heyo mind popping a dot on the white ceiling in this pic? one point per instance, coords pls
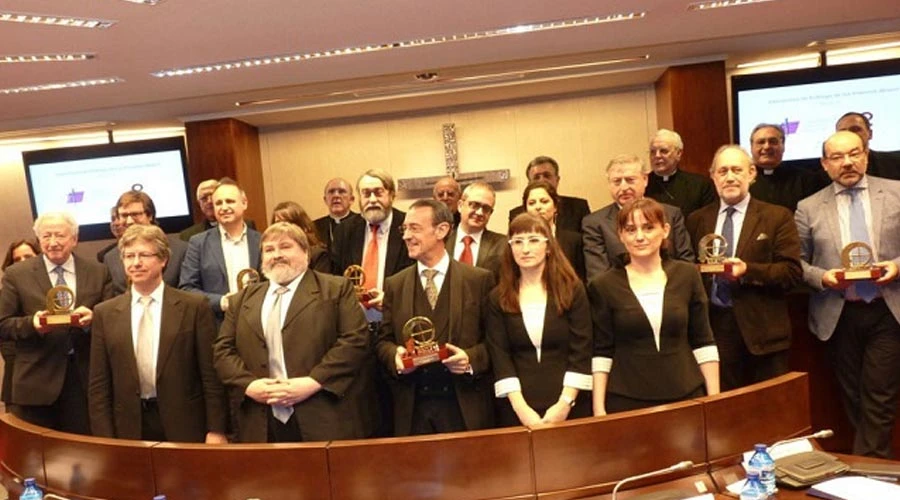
(179, 33)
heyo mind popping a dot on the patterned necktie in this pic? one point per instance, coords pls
(144, 350)
(62, 298)
(276, 352)
(370, 264)
(866, 289)
(466, 256)
(431, 291)
(721, 288)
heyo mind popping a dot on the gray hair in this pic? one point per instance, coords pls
(627, 159)
(66, 217)
(669, 136)
(726, 147)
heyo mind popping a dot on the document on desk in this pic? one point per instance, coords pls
(855, 488)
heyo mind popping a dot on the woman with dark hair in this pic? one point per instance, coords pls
(540, 198)
(288, 211)
(19, 250)
(652, 339)
(539, 330)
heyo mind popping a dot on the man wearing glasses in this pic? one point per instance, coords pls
(472, 242)
(775, 183)
(136, 207)
(857, 319)
(672, 185)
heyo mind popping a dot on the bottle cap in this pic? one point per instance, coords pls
(760, 447)
(29, 481)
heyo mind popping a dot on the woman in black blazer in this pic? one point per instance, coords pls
(652, 339)
(288, 211)
(538, 330)
(540, 198)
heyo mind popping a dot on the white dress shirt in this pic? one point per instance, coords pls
(236, 252)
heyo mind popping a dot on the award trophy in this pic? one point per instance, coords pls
(357, 276)
(246, 278)
(421, 348)
(857, 259)
(60, 302)
(711, 254)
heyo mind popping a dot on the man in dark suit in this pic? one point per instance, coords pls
(216, 256)
(747, 311)
(152, 374)
(453, 394)
(295, 347)
(472, 242)
(880, 163)
(136, 207)
(51, 367)
(571, 210)
(672, 185)
(116, 228)
(857, 319)
(338, 198)
(447, 191)
(204, 201)
(627, 179)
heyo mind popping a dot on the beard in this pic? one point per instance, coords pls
(282, 272)
(374, 215)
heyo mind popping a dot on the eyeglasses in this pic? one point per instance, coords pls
(130, 257)
(519, 243)
(474, 206)
(854, 156)
(133, 215)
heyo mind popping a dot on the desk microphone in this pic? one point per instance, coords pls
(824, 433)
(687, 464)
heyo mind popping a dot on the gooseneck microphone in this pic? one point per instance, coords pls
(822, 434)
(687, 464)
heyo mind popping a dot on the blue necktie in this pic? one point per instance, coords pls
(866, 290)
(721, 288)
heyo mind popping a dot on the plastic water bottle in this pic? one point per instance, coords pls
(753, 489)
(761, 461)
(31, 491)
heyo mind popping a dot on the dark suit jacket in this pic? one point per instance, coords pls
(570, 212)
(190, 396)
(325, 227)
(566, 344)
(573, 248)
(685, 190)
(40, 366)
(490, 253)
(770, 246)
(602, 248)
(469, 288)
(171, 275)
(884, 164)
(350, 237)
(205, 225)
(623, 333)
(325, 337)
(320, 259)
(203, 269)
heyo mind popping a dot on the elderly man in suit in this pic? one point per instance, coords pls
(454, 394)
(748, 312)
(136, 207)
(857, 319)
(472, 242)
(204, 201)
(51, 368)
(215, 257)
(571, 210)
(152, 374)
(627, 177)
(448, 191)
(339, 199)
(295, 347)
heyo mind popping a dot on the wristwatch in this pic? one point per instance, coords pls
(567, 400)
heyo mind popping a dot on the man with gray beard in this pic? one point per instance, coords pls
(305, 381)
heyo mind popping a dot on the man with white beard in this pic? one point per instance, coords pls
(306, 381)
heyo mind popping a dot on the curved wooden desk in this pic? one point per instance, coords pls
(576, 459)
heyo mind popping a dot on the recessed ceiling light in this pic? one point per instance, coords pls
(72, 22)
(722, 3)
(434, 40)
(61, 85)
(33, 58)
(145, 2)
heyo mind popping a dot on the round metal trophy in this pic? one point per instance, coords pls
(357, 276)
(421, 348)
(711, 254)
(246, 278)
(60, 302)
(858, 261)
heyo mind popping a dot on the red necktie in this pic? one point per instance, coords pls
(370, 261)
(466, 256)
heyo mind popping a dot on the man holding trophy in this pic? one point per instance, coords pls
(432, 335)
(749, 257)
(850, 234)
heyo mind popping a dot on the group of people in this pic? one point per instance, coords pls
(571, 313)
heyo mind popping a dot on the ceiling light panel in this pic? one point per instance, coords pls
(38, 58)
(723, 3)
(61, 85)
(435, 40)
(51, 20)
(145, 2)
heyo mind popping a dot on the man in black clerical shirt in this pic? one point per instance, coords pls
(775, 183)
(881, 163)
(338, 198)
(670, 184)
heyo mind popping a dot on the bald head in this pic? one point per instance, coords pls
(447, 191)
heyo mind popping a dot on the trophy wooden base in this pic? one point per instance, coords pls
(717, 268)
(871, 273)
(424, 356)
(69, 319)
